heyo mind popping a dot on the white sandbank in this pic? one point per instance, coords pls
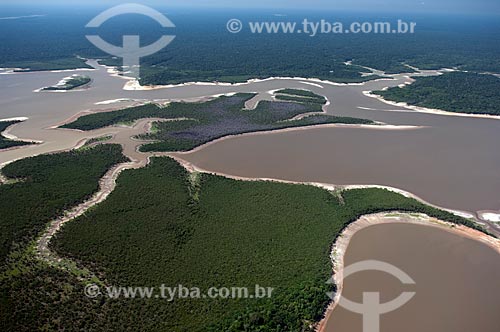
(133, 85)
(313, 84)
(429, 110)
(490, 216)
(21, 118)
(114, 101)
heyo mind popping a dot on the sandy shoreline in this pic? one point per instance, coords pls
(429, 110)
(327, 186)
(489, 215)
(6, 134)
(284, 130)
(277, 131)
(487, 224)
(133, 85)
(20, 118)
(342, 242)
(106, 186)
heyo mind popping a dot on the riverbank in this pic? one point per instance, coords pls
(7, 140)
(374, 126)
(341, 244)
(133, 84)
(330, 187)
(420, 109)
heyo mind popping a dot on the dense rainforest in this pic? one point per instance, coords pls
(204, 50)
(162, 225)
(44, 187)
(207, 230)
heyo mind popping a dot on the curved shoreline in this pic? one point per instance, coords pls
(374, 126)
(477, 218)
(133, 85)
(107, 184)
(327, 186)
(426, 110)
(343, 240)
(6, 134)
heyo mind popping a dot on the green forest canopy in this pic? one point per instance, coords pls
(453, 92)
(49, 184)
(204, 51)
(210, 230)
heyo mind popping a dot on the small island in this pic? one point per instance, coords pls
(69, 83)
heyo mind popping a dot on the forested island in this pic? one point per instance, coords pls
(199, 123)
(457, 92)
(69, 83)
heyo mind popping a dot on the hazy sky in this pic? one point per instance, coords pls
(467, 6)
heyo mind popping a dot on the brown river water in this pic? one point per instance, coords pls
(456, 280)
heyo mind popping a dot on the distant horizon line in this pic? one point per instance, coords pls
(270, 10)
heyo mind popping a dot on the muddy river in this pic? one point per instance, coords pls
(456, 280)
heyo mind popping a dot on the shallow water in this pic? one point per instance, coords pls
(456, 280)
